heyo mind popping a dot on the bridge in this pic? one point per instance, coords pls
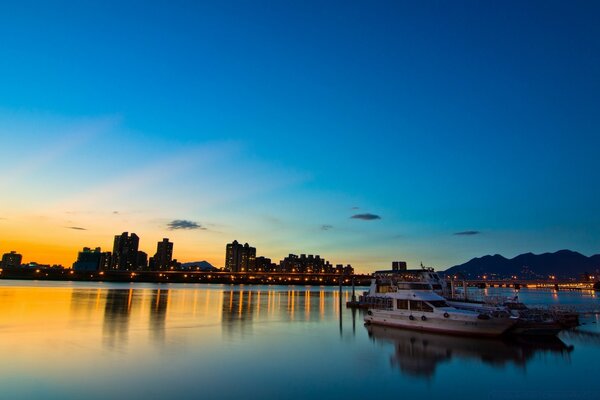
(268, 278)
(556, 284)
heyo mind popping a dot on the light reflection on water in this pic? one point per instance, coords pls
(98, 340)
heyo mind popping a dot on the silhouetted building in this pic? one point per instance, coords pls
(88, 260)
(305, 264)
(347, 270)
(105, 260)
(142, 260)
(264, 264)
(240, 258)
(125, 252)
(175, 265)
(163, 257)
(290, 264)
(12, 259)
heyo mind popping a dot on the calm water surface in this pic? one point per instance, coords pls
(105, 341)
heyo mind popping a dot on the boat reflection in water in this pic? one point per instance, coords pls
(418, 354)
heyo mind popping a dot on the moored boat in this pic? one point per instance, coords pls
(393, 301)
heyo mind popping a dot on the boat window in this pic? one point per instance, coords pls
(384, 289)
(420, 286)
(438, 303)
(381, 303)
(402, 304)
(436, 286)
(413, 286)
(418, 305)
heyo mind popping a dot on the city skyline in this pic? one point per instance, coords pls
(369, 133)
(125, 256)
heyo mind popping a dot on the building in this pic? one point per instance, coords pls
(105, 260)
(12, 259)
(240, 258)
(264, 264)
(125, 252)
(163, 257)
(89, 260)
(290, 264)
(341, 270)
(142, 260)
(305, 264)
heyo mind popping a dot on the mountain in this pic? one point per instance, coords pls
(562, 264)
(203, 265)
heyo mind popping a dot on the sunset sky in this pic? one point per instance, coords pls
(365, 132)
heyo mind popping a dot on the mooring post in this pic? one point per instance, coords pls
(340, 296)
(353, 294)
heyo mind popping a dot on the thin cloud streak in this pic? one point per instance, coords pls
(77, 228)
(366, 217)
(467, 233)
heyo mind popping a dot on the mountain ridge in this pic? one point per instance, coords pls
(561, 264)
(203, 265)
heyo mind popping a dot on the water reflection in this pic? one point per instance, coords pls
(240, 307)
(419, 354)
(237, 311)
(159, 301)
(117, 311)
(135, 339)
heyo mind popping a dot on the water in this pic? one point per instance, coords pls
(62, 340)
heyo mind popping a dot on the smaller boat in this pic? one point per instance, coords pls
(532, 321)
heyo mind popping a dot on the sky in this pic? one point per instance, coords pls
(365, 132)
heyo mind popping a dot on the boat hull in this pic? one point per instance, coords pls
(437, 323)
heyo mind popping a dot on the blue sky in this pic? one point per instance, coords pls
(275, 122)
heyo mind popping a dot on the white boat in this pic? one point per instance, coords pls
(394, 301)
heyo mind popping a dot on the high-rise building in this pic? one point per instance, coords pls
(125, 252)
(142, 260)
(163, 257)
(240, 258)
(88, 260)
(12, 259)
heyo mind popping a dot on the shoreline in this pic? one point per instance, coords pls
(183, 277)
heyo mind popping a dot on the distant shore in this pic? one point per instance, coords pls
(51, 274)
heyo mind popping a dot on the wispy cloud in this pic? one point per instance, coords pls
(356, 208)
(467, 233)
(77, 228)
(65, 137)
(184, 224)
(326, 227)
(366, 217)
